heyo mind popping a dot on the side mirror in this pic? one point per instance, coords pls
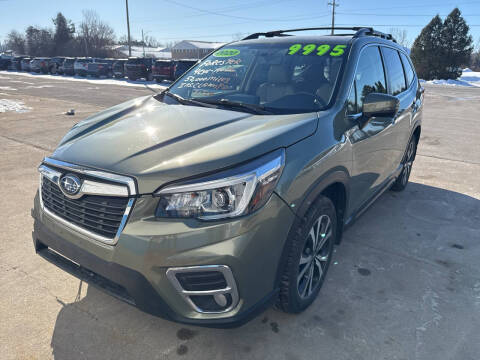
(376, 104)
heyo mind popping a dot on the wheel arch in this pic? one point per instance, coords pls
(334, 185)
(417, 130)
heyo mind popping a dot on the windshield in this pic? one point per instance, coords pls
(283, 78)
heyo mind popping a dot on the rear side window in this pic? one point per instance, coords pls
(369, 78)
(395, 73)
(408, 69)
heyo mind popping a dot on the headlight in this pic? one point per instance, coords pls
(228, 194)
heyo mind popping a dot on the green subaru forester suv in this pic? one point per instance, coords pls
(228, 191)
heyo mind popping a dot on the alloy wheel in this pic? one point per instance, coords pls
(314, 257)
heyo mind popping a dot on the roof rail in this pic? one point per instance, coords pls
(359, 31)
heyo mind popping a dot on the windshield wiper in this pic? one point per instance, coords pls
(256, 109)
(184, 101)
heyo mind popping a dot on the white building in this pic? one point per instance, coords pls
(137, 51)
(192, 49)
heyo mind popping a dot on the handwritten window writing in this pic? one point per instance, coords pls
(215, 74)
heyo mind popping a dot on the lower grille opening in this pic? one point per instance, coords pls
(84, 274)
(201, 280)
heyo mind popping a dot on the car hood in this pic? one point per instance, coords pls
(158, 143)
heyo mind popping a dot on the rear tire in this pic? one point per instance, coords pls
(309, 250)
(402, 181)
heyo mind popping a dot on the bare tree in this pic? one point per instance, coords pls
(16, 42)
(39, 41)
(401, 36)
(95, 35)
(150, 41)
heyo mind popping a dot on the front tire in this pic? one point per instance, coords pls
(402, 181)
(309, 253)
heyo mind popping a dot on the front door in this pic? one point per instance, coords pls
(373, 142)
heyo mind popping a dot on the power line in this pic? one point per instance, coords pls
(292, 19)
(249, 5)
(409, 15)
(420, 6)
(214, 12)
(393, 25)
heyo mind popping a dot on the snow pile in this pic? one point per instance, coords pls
(12, 105)
(468, 78)
(123, 82)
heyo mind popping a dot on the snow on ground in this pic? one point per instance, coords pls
(13, 105)
(99, 81)
(468, 78)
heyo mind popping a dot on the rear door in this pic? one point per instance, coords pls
(372, 142)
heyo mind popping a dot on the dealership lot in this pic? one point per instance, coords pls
(405, 283)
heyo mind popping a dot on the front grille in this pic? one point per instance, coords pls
(101, 215)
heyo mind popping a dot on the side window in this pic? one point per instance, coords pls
(408, 69)
(395, 73)
(352, 101)
(369, 78)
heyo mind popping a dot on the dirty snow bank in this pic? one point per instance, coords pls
(13, 105)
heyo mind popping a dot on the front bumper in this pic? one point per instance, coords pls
(134, 270)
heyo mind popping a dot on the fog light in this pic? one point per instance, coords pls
(207, 288)
(220, 299)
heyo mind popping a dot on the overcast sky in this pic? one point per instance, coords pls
(220, 20)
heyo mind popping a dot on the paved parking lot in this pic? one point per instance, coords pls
(405, 283)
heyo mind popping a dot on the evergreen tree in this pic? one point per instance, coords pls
(64, 30)
(442, 48)
(457, 45)
(427, 50)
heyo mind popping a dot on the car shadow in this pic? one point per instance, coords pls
(409, 231)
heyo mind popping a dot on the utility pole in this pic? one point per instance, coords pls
(128, 27)
(334, 5)
(143, 44)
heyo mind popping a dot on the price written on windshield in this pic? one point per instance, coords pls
(320, 50)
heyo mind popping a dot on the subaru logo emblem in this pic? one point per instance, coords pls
(70, 185)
